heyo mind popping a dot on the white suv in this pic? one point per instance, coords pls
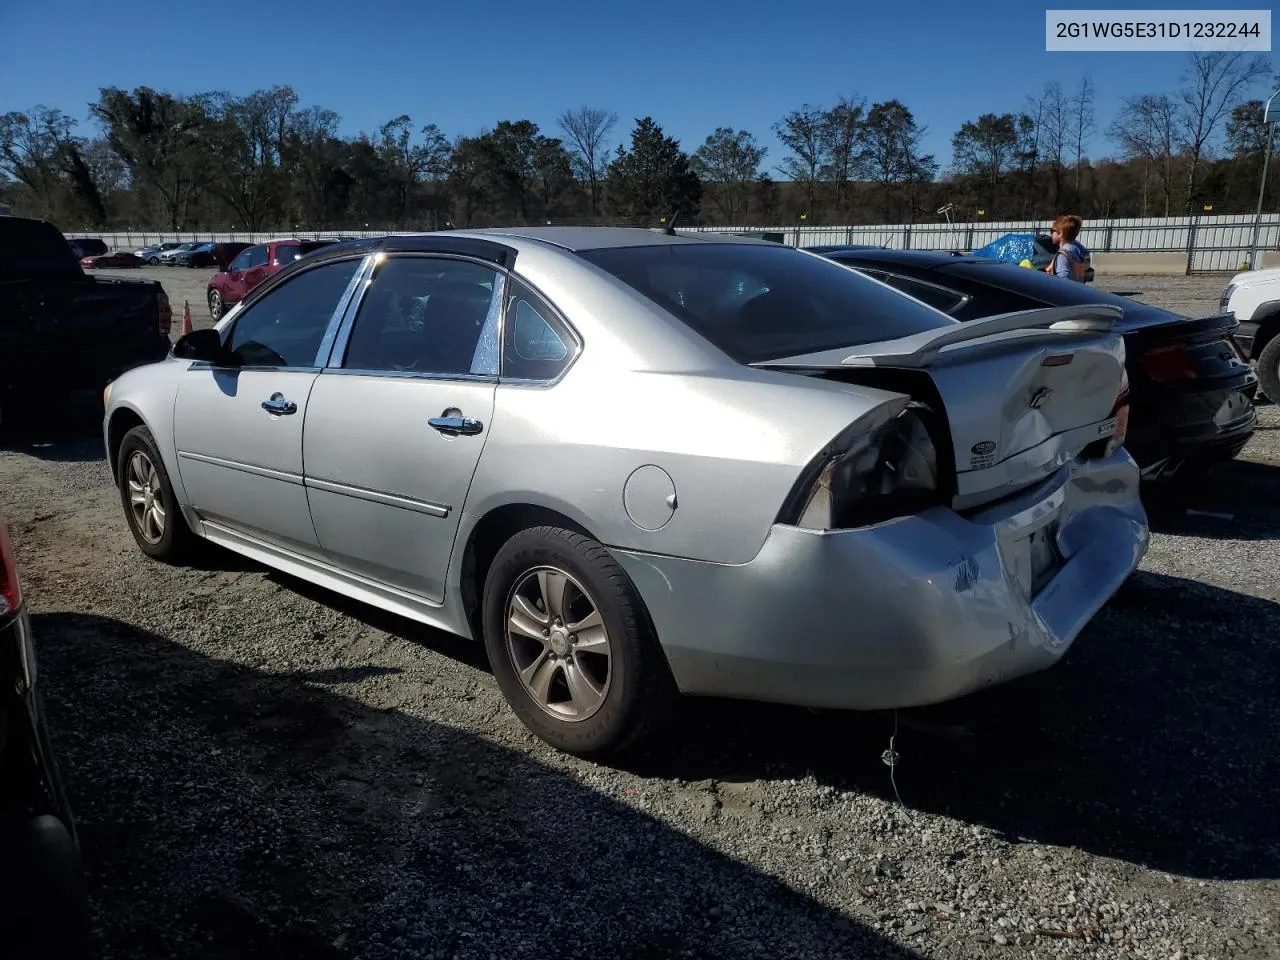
(1254, 298)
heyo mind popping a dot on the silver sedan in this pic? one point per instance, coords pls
(637, 464)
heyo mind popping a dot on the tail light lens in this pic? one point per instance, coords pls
(1168, 364)
(877, 475)
(10, 587)
(1120, 410)
(166, 311)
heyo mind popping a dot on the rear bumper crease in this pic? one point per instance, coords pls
(910, 612)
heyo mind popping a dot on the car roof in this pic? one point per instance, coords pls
(599, 238)
(925, 259)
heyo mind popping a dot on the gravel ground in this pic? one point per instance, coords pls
(263, 769)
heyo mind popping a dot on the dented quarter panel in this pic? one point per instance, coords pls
(907, 613)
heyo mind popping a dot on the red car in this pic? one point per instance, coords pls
(121, 258)
(252, 266)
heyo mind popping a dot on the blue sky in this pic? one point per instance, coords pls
(692, 65)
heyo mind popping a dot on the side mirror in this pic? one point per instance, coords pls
(204, 346)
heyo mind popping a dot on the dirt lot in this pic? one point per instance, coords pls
(265, 770)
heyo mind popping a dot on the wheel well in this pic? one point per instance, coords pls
(122, 421)
(494, 529)
(1268, 329)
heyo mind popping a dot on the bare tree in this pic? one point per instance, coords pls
(803, 132)
(729, 161)
(1082, 127)
(1054, 133)
(844, 133)
(1146, 129)
(1214, 83)
(588, 129)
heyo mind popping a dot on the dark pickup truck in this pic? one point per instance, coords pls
(62, 330)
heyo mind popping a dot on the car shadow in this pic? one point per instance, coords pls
(68, 431)
(1153, 741)
(228, 812)
(1236, 500)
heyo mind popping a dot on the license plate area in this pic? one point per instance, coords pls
(1035, 558)
(1233, 408)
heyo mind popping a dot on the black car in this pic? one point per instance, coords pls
(1190, 391)
(43, 910)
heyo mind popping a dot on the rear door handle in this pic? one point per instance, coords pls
(456, 425)
(279, 406)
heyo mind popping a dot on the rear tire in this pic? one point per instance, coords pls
(595, 679)
(217, 306)
(1269, 369)
(144, 485)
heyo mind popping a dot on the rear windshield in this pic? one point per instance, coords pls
(764, 302)
(1035, 284)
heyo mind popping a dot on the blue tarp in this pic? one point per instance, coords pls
(1013, 248)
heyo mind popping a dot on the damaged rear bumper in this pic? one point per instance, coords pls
(910, 612)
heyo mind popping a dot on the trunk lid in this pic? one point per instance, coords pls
(1186, 349)
(1023, 392)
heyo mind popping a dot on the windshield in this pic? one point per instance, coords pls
(764, 302)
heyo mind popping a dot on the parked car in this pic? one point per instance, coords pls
(201, 256)
(87, 247)
(1253, 297)
(224, 253)
(120, 258)
(43, 907)
(63, 329)
(637, 463)
(1190, 390)
(151, 253)
(251, 267)
(169, 258)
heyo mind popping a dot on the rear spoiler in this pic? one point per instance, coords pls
(920, 349)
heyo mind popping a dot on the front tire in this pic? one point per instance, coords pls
(1269, 369)
(150, 507)
(570, 644)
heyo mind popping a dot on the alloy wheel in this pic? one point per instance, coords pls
(145, 498)
(558, 644)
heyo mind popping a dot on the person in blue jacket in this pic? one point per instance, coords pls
(1072, 258)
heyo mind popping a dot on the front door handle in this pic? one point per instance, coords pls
(279, 406)
(451, 426)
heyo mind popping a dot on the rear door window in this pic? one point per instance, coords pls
(431, 316)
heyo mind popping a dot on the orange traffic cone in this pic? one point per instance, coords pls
(186, 317)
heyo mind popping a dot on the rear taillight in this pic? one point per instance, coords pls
(1167, 364)
(1120, 411)
(869, 476)
(166, 311)
(10, 587)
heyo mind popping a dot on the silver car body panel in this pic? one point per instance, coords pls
(807, 622)
(678, 459)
